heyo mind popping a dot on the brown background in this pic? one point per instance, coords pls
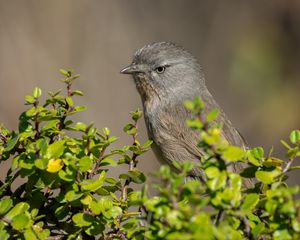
(250, 52)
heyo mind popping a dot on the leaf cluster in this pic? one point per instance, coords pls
(67, 191)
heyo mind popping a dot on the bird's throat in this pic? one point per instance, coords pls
(146, 90)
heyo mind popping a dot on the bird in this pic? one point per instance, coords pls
(166, 75)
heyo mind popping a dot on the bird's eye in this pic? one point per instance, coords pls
(160, 69)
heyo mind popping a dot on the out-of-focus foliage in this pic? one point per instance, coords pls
(68, 193)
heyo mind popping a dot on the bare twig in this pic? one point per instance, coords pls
(288, 165)
(218, 217)
(3, 137)
(97, 165)
(247, 227)
(132, 165)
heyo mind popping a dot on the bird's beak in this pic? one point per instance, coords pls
(131, 69)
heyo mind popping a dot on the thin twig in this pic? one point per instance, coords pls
(36, 122)
(218, 217)
(3, 137)
(247, 227)
(132, 165)
(288, 165)
(97, 165)
(69, 91)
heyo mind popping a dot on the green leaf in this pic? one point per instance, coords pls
(21, 207)
(5, 205)
(235, 180)
(72, 195)
(55, 149)
(26, 163)
(147, 144)
(85, 164)
(95, 229)
(258, 229)
(83, 219)
(136, 115)
(267, 177)
(93, 185)
(285, 144)
(137, 176)
(86, 200)
(251, 157)
(51, 94)
(69, 100)
(77, 92)
(91, 132)
(42, 144)
(111, 180)
(106, 131)
(30, 234)
(4, 235)
(295, 136)
(108, 162)
(68, 174)
(257, 152)
(217, 182)
(194, 123)
(29, 99)
(249, 172)
(102, 205)
(130, 129)
(61, 212)
(212, 115)
(273, 162)
(80, 126)
(112, 139)
(11, 143)
(66, 73)
(51, 124)
(233, 153)
(37, 92)
(113, 212)
(250, 202)
(282, 235)
(212, 172)
(20, 221)
(187, 166)
(79, 108)
(41, 163)
(189, 105)
(96, 207)
(31, 112)
(196, 106)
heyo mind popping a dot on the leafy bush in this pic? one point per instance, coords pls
(67, 192)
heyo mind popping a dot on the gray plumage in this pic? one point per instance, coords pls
(166, 75)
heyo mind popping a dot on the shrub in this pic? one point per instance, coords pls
(68, 193)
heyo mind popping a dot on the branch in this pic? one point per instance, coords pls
(132, 165)
(288, 165)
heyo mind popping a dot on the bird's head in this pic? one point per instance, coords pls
(166, 71)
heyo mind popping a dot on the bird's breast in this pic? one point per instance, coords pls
(156, 121)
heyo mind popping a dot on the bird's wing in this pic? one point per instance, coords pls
(231, 134)
(175, 140)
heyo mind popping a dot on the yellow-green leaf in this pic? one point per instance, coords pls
(250, 202)
(92, 184)
(233, 153)
(56, 149)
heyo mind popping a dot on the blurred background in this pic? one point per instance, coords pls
(249, 50)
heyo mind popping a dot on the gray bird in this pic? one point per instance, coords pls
(166, 75)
